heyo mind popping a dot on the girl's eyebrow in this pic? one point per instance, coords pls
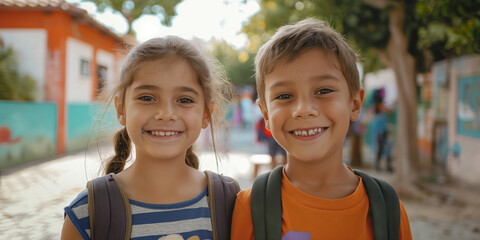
(188, 89)
(146, 87)
(179, 89)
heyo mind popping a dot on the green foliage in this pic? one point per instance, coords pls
(363, 25)
(133, 9)
(237, 63)
(13, 85)
(441, 28)
(448, 28)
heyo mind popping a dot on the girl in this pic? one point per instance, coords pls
(166, 95)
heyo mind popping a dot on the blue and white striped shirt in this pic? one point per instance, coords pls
(189, 219)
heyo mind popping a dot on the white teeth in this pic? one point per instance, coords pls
(307, 133)
(162, 134)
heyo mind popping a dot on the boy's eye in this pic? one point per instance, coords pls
(146, 98)
(283, 96)
(324, 91)
(185, 100)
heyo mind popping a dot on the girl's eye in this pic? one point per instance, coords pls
(324, 91)
(185, 100)
(146, 99)
(284, 96)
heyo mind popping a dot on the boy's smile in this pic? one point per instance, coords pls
(309, 133)
(308, 106)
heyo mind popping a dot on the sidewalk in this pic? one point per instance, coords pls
(32, 197)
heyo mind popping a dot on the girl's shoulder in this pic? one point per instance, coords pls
(77, 211)
(80, 201)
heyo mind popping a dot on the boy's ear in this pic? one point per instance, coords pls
(264, 113)
(120, 114)
(357, 102)
(206, 120)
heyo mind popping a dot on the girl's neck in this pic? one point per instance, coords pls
(162, 181)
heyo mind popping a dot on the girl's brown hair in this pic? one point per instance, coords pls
(291, 40)
(210, 77)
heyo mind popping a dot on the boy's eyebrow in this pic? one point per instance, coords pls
(154, 87)
(325, 76)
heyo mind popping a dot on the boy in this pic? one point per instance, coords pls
(309, 91)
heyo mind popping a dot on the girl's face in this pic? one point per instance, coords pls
(164, 109)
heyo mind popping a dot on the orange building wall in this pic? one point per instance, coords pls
(60, 25)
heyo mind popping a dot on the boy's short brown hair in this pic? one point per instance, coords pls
(291, 40)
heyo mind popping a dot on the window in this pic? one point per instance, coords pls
(101, 77)
(84, 68)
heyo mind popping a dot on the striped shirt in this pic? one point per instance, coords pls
(189, 219)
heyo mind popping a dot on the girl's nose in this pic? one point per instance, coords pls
(305, 108)
(165, 113)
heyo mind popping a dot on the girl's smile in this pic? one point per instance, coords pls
(164, 133)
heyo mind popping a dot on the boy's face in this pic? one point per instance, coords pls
(308, 106)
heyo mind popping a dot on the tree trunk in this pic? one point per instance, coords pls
(406, 160)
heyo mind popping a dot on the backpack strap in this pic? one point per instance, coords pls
(222, 193)
(109, 209)
(267, 219)
(384, 207)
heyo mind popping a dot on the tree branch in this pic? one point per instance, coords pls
(380, 4)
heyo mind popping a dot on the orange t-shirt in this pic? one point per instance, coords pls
(306, 217)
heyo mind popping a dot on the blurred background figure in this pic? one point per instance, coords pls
(379, 126)
(247, 108)
(275, 151)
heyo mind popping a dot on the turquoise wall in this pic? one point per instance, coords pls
(28, 131)
(89, 124)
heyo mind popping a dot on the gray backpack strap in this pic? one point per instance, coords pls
(384, 207)
(267, 219)
(222, 193)
(393, 209)
(109, 209)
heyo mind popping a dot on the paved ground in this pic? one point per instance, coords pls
(32, 197)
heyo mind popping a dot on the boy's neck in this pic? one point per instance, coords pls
(330, 180)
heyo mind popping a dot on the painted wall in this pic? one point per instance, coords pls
(28, 131)
(456, 111)
(31, 48)
(61, 25)
(89, 124)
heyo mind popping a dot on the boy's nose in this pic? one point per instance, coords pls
(165, 113)
(305, 108)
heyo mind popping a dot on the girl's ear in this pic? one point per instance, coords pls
(264, 114)
(208, 111)
(120, 114)
(357, 105)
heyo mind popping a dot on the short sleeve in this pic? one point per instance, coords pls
(405, 231)
(242, 228)
(77, 211)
